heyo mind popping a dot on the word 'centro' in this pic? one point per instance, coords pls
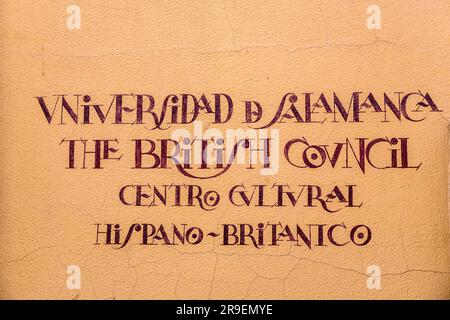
(143, 109)
(277, 195)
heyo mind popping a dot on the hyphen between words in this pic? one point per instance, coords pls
(191, 154)
(243, 234)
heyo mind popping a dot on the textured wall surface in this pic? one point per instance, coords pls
(251, 50)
